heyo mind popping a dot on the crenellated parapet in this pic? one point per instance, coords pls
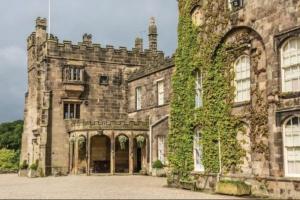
(89, 51)
(127, 124)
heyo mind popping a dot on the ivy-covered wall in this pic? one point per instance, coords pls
(199, 49)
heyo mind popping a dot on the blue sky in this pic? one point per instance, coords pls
(114, 22)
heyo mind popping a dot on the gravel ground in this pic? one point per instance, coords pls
(94, 187)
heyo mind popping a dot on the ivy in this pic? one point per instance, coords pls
(198, 50)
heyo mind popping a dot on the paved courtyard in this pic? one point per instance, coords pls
(94, 187)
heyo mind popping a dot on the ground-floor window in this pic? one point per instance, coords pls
(198, 166)
(292, 147)
(161, 148)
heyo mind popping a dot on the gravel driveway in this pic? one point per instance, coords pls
(94, 187)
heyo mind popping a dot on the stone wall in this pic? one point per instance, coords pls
(103, 106)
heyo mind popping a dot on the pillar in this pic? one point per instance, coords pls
(131, 154)
(76, 157)
(112, 154)
(88, 154)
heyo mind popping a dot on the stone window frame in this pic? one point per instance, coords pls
(81, 74)
(161, 157)
(138, 98)
(69, 102)
(233, 9)
(235, 79)
(284, 145)
(101, 82)
(283, 68)
(279, 40)
(159, 93)
(198, 89)
(196, 146)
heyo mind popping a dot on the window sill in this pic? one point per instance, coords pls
(288, 95)
(74, 82)
(241, 104)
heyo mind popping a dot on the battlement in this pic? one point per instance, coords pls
(86, 50)
(128, 124)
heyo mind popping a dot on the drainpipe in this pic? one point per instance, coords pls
(151, 128)
(220, 158)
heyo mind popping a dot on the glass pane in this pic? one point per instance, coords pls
(72, 111)
(66, 111)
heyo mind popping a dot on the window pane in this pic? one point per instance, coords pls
(138, 98)
(72, 111)
(292, 145)
(242, 79)
(66, 111)
(77, 111)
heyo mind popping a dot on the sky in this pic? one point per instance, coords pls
(111, 22)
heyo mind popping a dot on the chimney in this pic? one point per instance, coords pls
(152, 35)
(87, 39)
(139, 44)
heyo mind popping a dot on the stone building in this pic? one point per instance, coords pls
(92, 109)
(267, 81)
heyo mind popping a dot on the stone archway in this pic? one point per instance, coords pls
(139, 154)
(100, 154)
(122, 154)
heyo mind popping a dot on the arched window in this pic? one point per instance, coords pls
(292, 147)
(198, 89)
(198, 16)
(290, 65)
(242, 79)
(198, 166)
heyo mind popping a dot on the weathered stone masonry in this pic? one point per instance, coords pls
(81, 95)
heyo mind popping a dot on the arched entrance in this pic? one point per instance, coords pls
(122, 154)
(139, 152)
(100, 154)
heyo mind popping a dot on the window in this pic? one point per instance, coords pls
(198, 88)
(160, 93)
(104, 80)
(292, 147)
(73, 74)
(71, 111)
(161, 148)
(198, 16)
(242, 79)
(138, 98)
(198, 166)
(290, 64)
(235, 4)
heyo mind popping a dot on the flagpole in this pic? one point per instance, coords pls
(49, 17)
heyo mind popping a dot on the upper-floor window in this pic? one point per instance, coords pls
(292, 147)
(160, 93)
(104, 80)
(138, 98)
(71, 111)
(198, 89)
(198, 16)
(242, 79)
(290, 65)
(73, 73)
(235, 4)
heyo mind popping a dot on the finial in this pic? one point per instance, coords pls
(152, 21)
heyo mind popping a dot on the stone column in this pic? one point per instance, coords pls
(131, 154)
(112, 153)
(76, 157)
(70, 157)
(88, 154)
(145, 152)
